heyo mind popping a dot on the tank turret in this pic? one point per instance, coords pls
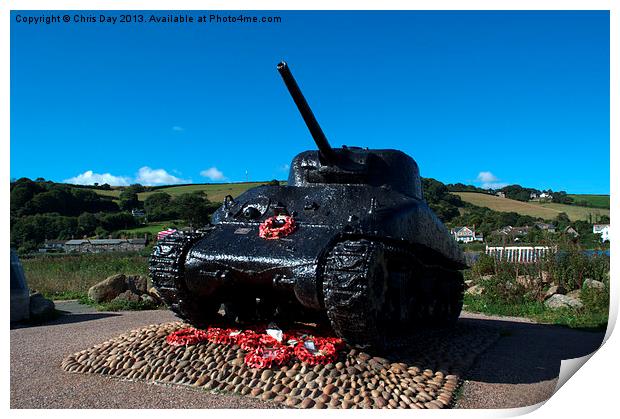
(349, 164)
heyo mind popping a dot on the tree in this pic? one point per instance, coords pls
(193, 208)
(561, 198)
(22, 191)
(117, 221)
(159, 207)
(87, 223)
(128, 200)
(562, 221)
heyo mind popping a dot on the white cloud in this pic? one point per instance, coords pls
(489, 181)
(90, 178)
(151, 177)
(493, 185)
(486, 177)
(177, 128)
(213, 173)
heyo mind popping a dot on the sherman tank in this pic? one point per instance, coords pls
(349, 239)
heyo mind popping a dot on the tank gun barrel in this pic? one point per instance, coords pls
(325, 150)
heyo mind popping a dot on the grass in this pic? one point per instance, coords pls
(576, 212)
(215, 192)
(152, 228)
(70, 276)
(595, 320)
(595, 201)
(118, 305)
(547, 211)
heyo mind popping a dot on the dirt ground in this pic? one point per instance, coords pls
(520, 369)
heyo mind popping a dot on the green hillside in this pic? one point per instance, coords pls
(547, 211)
(595, 201)
(215, 192)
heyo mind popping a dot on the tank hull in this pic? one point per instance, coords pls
(232, 261)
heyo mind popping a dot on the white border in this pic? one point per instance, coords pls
(591, 392)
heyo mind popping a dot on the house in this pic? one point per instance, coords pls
(513, 231)
(466, 234)
(570, 230)
(104, 245)
(501, 194)
(545, 195)
(511, 234)
(52, 246)
(533, 195)
(545, 227)
(603, 230)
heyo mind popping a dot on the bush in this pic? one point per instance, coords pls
(485, 265)
(518, 290)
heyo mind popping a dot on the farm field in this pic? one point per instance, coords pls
(152, 228)
(215, 192)
(576, 212)
(597, 201)
(546, 211)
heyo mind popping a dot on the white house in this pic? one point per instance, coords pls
(545, 195)
(465, 234)
(501, 194)
(603, 230)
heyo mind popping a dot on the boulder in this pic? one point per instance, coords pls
(562, 301)
(475, 290)
(486, 277)
(128, 296)
(545, 277)
(20, 295)
(155, 295)
(555, 289)
(136, 283)
(108, 289)
(525, 281)
(590, 283)
(40, 307)
(148, 300)
(574, 294)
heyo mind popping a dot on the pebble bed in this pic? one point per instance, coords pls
(421, 372)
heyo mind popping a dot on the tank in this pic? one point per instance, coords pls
(349, 240)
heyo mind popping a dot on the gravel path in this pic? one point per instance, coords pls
(519, 370)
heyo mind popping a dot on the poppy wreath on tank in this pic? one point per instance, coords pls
(222, 336)
(189, 336)
(317, 351)
(269, 356)
(276, 227)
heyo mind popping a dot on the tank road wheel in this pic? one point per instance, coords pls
(167, 273)
(354, 281)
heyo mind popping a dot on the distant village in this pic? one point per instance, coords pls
(512, 248)
(510, 234)
(93, 245)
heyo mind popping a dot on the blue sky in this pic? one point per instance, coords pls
(485, 98)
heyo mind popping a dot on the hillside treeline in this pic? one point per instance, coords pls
(518, 193)
(43, 210)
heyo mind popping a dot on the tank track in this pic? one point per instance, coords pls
(361, 307)
(166, 269)
(354, 292)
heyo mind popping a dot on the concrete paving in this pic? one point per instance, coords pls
(521, 369)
